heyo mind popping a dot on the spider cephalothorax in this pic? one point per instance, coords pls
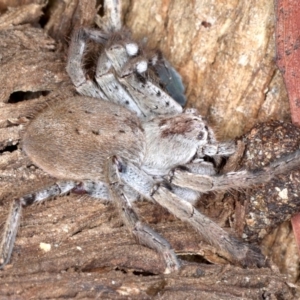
(126, 138)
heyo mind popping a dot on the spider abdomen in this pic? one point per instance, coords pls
(73, 137)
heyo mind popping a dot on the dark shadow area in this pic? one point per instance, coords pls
(24, 96)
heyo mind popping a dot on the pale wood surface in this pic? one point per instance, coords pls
(225, 53)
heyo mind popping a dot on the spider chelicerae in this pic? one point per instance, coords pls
(127, 138)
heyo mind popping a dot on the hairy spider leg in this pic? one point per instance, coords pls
(13, 220)
(236, 180)
(143, 233)
(162, 193)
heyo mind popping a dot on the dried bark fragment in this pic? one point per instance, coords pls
(29, 13)
(287, 48)
(86, 239)
(280, 246)
(64, 16)
(260, 212)
(275, 202)
(28, 62)
(5, 4)
(87, 245)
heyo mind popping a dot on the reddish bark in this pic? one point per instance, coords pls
(288, 61)
(288, 51)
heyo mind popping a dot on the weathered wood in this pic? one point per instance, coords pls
(91, 255)
(225, 52)
(76, 247)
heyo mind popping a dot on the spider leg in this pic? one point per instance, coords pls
(100, 190)
(123, 56)
(171, 79)
(95, 189)
(118, 73)
(113, 13)
(122, 70)
(168, 76)
(143, 233)
(151, 98)
(235, 180)
(13, 220)
(217, 149)
(228, 246)
(198, 166)
(112, 88)
(10, 232)
(187, 194)
(161, 193)
(74, 67)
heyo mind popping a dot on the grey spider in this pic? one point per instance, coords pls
(126, 138)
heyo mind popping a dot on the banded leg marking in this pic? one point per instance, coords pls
(12, 223)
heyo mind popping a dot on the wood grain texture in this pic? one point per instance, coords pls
(288, 51)
(225, 53)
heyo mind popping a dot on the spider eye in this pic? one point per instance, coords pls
(141, 66)
(132, 49)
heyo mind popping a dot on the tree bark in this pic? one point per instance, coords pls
(76, 247)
